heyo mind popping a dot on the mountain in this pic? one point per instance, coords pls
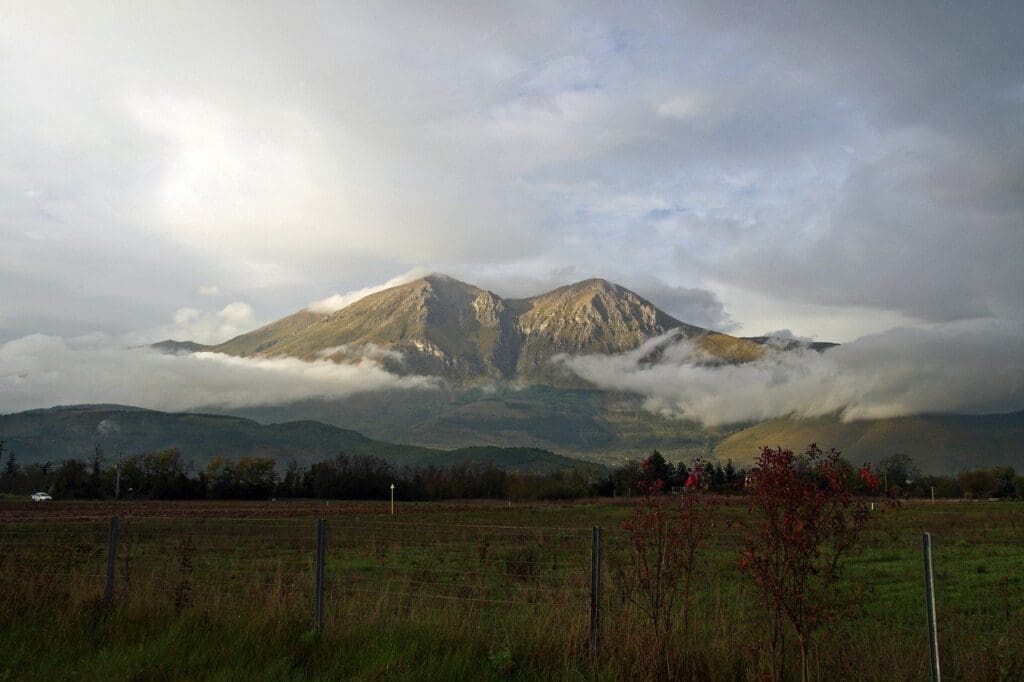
(783, 343)
(441, 326)
(172, 347)
(503, 388)
(60, 433)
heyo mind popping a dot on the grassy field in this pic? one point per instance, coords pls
(474, 590)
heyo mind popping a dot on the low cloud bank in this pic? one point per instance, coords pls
(973, 367)
(42, 371)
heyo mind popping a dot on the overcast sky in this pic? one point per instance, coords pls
(832, 168)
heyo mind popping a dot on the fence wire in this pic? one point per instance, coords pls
(481, 578)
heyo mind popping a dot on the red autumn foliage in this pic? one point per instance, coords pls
(805, 519)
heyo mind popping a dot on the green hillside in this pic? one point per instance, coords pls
(62, 433)
(937, 443)
(584, 423)
(608, 427)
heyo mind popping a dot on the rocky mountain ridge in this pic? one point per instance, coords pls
(440, 326)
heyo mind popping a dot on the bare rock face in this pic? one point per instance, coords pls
(445, 327)
(594, 316)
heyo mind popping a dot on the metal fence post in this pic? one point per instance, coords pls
(595, 590)
(111, 560)
(318, 606)
(929, 591)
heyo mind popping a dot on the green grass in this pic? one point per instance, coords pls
(475, 591)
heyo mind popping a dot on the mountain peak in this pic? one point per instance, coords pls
(441, 278)
(441, 281)
(439, 325)
(596, 283)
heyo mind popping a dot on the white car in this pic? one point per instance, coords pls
(41, 497)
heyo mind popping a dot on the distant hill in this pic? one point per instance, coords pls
(783, 343)
(608, 427)
(937, 443)
(580, 422)
(173, 347)
(444, 327)
(61, 433)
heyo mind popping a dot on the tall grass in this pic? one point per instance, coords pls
(481, 594)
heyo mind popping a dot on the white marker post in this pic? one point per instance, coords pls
(392, 499)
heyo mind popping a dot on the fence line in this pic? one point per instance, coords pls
(416, 565)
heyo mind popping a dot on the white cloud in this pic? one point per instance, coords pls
(208, 290)
(195, 325)
(689, 106)
(42, 371)
(714, 144)
(366, 351)
(336, 302)
(965, 367)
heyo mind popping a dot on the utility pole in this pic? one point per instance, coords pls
(392, 499)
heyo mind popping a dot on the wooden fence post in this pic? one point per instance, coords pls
(318, 606)
(595, 591)
(111, 560)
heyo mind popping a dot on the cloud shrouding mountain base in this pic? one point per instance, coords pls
(968, 367)
(972, 367)
(42, 371)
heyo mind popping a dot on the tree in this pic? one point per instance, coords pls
(72, 479)
(730, 475)
(624, 478)
(96, 472)
(978, 483)
(665, 536)
(805, 520)
(164, 476)
(655, 468)
(291, 484)
(10, 468)
(897, 472)
(256, 477)
(1005, 476)
(220, 478)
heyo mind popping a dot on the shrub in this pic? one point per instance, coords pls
(665, 536)
(806, 519)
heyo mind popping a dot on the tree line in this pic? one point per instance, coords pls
(167, 475)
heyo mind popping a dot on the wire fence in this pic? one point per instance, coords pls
(490, 579)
